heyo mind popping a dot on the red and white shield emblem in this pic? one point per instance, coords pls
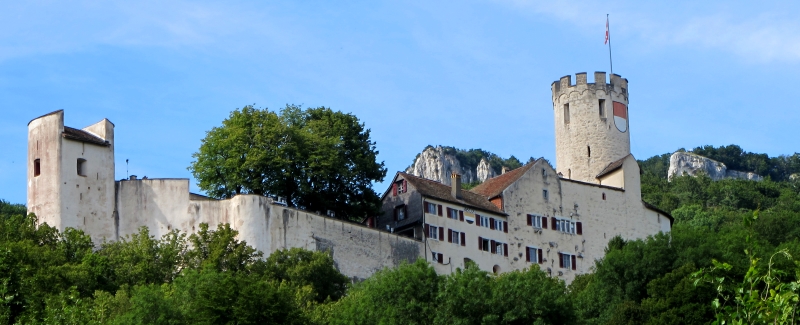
(621, 116)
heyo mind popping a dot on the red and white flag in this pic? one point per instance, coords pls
(606, 42)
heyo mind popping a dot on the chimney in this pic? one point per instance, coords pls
(455, 182)
(503, 170)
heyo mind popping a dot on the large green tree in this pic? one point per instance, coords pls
(316, 158)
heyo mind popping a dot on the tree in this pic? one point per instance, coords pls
(317, 158)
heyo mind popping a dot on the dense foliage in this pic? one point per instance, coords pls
(728, 260)
(315, 158)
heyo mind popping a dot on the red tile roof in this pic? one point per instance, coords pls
(494, 186)
(436, 190)
(83, 136)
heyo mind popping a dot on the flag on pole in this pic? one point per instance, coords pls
(606, 42)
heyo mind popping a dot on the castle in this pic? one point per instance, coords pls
(559, 219)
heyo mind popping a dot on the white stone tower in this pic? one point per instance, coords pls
(591, 123)
(71, 175)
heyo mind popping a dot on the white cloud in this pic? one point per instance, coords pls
(766, 35)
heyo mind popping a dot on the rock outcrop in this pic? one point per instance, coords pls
(687, 163)
(435, 164)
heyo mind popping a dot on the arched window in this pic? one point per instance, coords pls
(496, 269)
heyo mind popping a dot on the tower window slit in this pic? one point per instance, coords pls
(602, 105)
(81, 167)
(589, 150)
(37, 168)
(566, 113)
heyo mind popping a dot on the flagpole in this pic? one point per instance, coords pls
(608, 31)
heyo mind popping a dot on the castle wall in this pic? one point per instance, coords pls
(587, 129)
(87, 200)
(163, 205)
(44, 191)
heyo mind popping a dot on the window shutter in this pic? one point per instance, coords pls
(505, 226)
(395, 213)
(530, 220)
(425, 207)
(405, 186)
(478, 220)
(480, 243)
(560, 261)
(394, 189)
(441, 233)
(579, 228)
(544, 223)
(528, 252)
(505, 250)
(553, 220)
(441, 258)
(449, 235)
(491, 223)
(461, 215)
(539, 254)
(574, 267)
(492, 248)
(463, 239)
(427, 230)
(440, 210)
(448, 212)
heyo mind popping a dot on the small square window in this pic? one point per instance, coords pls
(544, 194)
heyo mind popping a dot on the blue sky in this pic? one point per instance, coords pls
(469, 74)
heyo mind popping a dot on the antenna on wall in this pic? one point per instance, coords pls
(126, 169)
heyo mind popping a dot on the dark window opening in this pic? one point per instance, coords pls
(604, 196)
(37, 168)
(566, 113)
(589, 150)
(602, 104)
(81, 167)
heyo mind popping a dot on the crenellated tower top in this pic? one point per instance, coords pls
(591, 124)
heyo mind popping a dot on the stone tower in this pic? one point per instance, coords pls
(591, 123)
(71, 175)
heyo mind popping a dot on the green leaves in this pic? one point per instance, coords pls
(316, 158)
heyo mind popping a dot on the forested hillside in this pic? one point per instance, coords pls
(728, 258)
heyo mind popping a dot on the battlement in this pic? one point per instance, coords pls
(565, 82)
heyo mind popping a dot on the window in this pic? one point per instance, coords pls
(433, 232)
(400, 212)
(430, 207)
(568, 226)
(498, 224)
(399, 187)
(499, 248)
(81, 167)
(483, 221)
(438, 257)
(604, 196)
(535, 220)
(483, 244)
(566, 113)
(37, 168)
(533, 255)
(455, 237)
(452, 213)
(544, 194)
(567, 261)
(589, 151)
(544, 173)
(602, 104)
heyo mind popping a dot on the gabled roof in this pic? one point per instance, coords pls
(439, 191)
(83, 136)
(612, 167)
(494, 186)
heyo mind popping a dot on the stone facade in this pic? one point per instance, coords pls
(589, 137)
(108, 210)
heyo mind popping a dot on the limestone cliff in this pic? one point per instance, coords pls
(436, 163)
(681, 163)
